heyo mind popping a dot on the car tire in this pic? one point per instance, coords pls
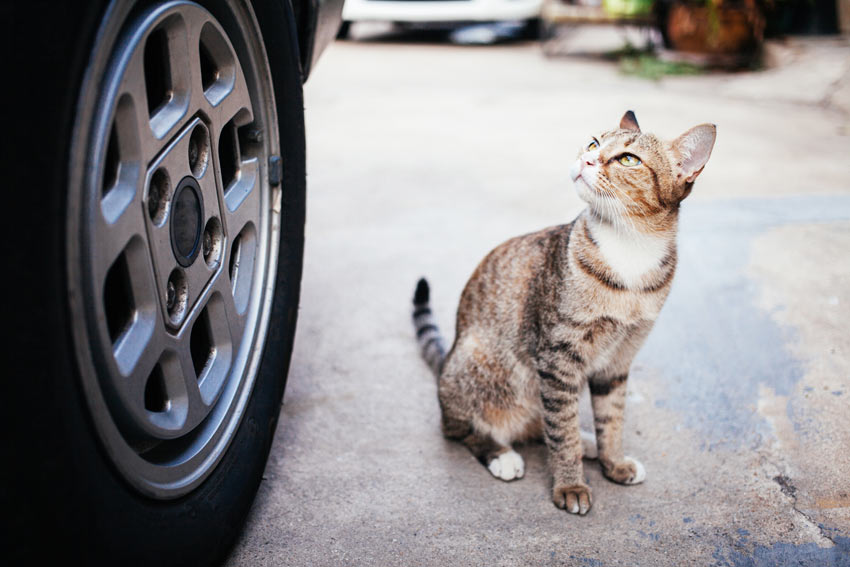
(70, 490)
(533, 29)
(344, 31)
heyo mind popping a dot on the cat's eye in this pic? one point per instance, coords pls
(592, 145)
(629, 160)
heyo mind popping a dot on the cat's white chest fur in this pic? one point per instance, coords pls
(630, 253)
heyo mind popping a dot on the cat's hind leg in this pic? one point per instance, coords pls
(477, 402)
(588, 445)
(500, 459)
(507, 465)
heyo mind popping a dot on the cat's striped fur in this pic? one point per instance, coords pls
(547, 312)
(430, 340)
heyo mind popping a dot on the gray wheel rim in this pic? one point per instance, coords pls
(172, 237)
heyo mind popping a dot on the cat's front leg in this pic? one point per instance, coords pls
(559, 391)
(608, 397)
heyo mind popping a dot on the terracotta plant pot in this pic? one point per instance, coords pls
(720, 30)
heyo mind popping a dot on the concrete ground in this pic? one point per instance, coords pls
(422, 157)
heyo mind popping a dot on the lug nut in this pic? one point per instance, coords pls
(212, 242)
(158, 193)
(194, 151)
(170, 296)
(199, 150)
(208, 244)
(153, 200)
(176, 296)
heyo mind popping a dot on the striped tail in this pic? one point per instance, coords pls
(430, 340)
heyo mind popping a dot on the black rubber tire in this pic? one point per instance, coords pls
(344, 30)
(61, 496)
(532, 29)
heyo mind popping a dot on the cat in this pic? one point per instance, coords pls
(547, 312)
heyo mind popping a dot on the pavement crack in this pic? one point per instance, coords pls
(810, 520)
(786, 484)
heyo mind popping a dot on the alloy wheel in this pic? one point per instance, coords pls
(172, 239)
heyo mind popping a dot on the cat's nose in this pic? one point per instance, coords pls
(589, 158)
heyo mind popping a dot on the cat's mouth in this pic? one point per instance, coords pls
(575, 170)
(581, 181)
(585, 174)
(584, 180)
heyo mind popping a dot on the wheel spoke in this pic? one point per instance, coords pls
(130, 304)
(234, 320)
(144, 365)
(166, 82)
(217, 83)
(197, 409)
(111, 240)
(121, 184)
(133, 88)
(242, 199)
(235, 106)
(214, 64)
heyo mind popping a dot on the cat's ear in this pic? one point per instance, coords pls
(691, 151)
(629, 122)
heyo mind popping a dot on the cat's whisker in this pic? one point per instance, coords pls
(612, 206)
(618, 211)
(625, 209)
(625, 219)
(626, 214)
(607, 199)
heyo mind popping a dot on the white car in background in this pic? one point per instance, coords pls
(439, 11)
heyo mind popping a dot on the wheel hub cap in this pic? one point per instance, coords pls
(186, 222)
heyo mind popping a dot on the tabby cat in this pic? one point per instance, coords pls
(547, 312)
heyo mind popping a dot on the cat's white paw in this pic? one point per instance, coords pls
(588, 445)
(640, 472)
(507, 466)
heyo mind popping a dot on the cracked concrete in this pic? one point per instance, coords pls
(809, 436)
(422, 158)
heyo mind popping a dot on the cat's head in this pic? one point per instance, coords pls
(627, 173)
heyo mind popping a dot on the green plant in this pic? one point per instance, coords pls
(648, 66)
(642, 62)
